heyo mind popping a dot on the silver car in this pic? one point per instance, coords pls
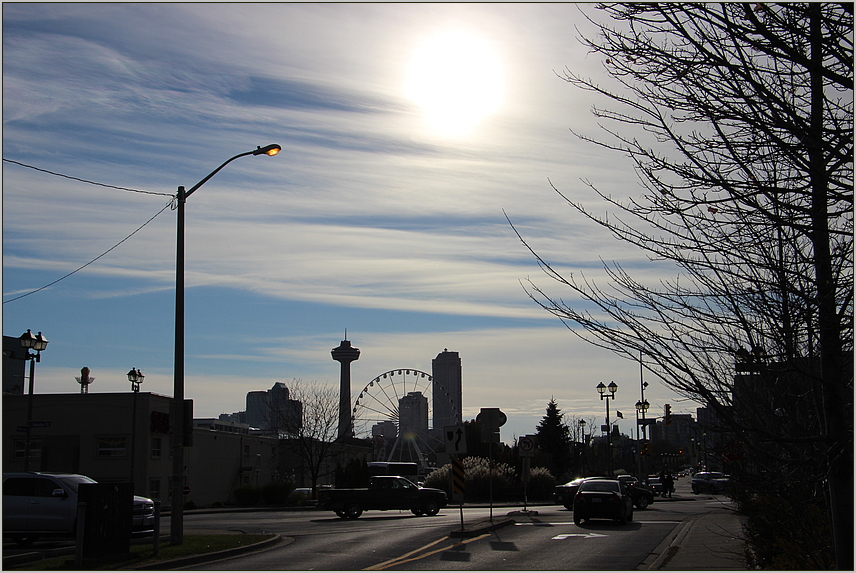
(709, 482)
(44, 504)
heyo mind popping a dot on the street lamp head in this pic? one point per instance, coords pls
(133, 375)
(27, 339)
(271, 150)
(582, 423)
(613, 387)
(601, 389)
(37, 343)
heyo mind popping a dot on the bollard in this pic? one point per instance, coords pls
(156, 542)
(81, 524)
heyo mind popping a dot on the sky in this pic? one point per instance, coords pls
(408, 132)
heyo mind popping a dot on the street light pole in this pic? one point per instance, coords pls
(601, 389)
(37, 343)
(135, 377)
(177, 512)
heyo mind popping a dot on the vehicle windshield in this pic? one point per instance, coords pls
(73, 481)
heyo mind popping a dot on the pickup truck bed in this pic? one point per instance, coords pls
(384, 493)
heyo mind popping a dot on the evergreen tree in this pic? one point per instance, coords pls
(553, 438)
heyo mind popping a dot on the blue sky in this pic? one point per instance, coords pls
(382, 215)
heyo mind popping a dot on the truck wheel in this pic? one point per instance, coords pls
(417, 512)
(431, 508)
(353, 510)
(340, 513)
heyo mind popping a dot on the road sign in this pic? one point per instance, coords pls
(459, 482)
(456, 439)
(491, 419)
(526, 447)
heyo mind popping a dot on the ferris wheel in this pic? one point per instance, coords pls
(395, 410)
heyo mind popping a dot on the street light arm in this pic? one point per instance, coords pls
(272, 149)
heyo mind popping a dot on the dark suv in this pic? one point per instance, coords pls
(43, 504)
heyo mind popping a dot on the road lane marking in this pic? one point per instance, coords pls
(589, 535)
(412, 556)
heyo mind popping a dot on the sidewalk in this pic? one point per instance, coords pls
(709, 541)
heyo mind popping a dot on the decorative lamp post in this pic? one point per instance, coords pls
(136, 378)
(37, 343)
(177, 513)
(602, 390)
(642, 407)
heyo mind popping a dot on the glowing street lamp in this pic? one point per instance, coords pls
(177, 513)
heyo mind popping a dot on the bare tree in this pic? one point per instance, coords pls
(739, 124)
(310, 437)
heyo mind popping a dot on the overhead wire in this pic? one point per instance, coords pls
(86, 180)
(168, 204)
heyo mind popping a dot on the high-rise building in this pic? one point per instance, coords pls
(273, 409)
(413, 415)
(446, 390)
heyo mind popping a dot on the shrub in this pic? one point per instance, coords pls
(248, 495)
(477, 476)
(276, 493)
(541, 484)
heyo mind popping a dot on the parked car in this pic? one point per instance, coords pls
(642, 495)
(656, 486)
(709, 482)
(44, 504)
(606, 498)
(384, 493)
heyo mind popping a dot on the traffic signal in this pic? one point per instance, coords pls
(667, 415)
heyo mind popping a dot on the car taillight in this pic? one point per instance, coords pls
(616, 497)
(578, 497)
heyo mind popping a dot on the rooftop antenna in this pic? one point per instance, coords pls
(346, 333)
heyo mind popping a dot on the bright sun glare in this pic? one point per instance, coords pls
(455, 77)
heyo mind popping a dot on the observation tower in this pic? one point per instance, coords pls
(344, 354)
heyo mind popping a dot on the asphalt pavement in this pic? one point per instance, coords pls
(708, 541)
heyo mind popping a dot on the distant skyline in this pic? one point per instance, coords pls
(408, 131)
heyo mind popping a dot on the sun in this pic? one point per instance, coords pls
(456, 78)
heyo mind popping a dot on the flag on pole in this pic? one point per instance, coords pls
(619, 414)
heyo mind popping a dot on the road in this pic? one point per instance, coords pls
(402, 542)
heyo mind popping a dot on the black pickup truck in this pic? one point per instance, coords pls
(383, 493)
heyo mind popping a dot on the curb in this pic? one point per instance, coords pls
(674, 545)
(208, 557)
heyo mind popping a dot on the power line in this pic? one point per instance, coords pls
(86, 180)
(96, 258)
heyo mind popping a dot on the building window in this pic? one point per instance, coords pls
(112, 447)
(157, 444)
(21, 448)
(154, 488)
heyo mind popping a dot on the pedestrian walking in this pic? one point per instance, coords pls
(669, 484)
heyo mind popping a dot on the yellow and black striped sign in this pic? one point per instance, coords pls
(459, 484)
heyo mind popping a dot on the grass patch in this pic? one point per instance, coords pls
(142, 554)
